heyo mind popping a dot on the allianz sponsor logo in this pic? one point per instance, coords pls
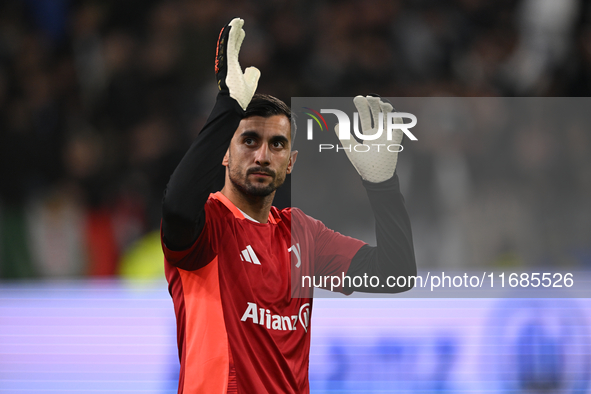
(263, 317)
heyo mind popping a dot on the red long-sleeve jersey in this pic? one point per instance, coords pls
(241, 327)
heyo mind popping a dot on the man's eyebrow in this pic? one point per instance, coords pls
(279, 138)
(249, 133)
(255, 134)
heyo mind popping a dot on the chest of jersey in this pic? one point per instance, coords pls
(255, 263)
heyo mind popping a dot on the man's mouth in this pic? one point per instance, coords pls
(261, 173)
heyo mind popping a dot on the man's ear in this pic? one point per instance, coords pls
(292, 159)
(226, 158)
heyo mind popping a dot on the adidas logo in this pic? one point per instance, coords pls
(249, 255)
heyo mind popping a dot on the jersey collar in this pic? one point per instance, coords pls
(237, 213)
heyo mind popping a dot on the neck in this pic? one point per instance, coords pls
(256, 207)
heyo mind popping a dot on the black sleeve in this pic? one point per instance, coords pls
(199, 173)
(394, 253)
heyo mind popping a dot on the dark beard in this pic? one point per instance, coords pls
(251, 189)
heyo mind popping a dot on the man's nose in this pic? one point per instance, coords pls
(263, 155)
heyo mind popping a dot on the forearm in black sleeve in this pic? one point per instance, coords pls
(394, 253)
(197, 175)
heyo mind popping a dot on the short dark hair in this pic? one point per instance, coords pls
(266, 106)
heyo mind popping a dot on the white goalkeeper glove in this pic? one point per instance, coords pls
(240, 86)
(374, 163)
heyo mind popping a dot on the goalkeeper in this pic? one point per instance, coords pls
(242, 326)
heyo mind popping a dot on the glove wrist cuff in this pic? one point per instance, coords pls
(391, 183)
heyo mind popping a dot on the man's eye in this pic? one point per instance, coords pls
(249, 141)
(278, 144)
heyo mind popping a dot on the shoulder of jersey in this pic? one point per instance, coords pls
(292, 212)
(216, 205)
(281, 214)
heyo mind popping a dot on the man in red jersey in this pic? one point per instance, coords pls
(242, 326)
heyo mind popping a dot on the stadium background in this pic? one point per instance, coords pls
(99, 100)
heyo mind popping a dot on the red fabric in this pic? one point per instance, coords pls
(176, 291)
(267, 330)
(232, 383)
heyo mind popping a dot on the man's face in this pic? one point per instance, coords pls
(259, 156)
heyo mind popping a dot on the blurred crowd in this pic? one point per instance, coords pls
(100, 99)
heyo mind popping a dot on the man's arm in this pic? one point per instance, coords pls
(394, 253)
(197, 175)
(200, 171)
